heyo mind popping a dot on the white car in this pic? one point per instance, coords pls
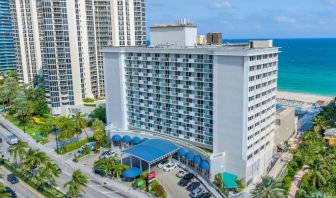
(170, 166)
(108, 154)
(197, 192)
(80, 150)
(163, 163)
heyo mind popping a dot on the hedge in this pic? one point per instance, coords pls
(74, 146)
(90, 104)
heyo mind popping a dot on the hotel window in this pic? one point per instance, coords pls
(249, 156)
(252, 58)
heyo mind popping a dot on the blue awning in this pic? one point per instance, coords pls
(152, 150)
(145, 139)
(229, 180)
(126, 138)
(131, 173)
(189, 155)
(205, 165)
(136, 140)
(197, 160)
(181, 152)
(116, 138)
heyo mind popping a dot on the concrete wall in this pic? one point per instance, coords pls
(228, 110)
(114, 83)
(285, 125)
(175, 36)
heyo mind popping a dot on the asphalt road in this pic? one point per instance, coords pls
(102, 188)
(22, 189)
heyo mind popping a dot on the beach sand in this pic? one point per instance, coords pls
(306, 98)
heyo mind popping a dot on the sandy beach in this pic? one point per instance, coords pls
(306, 98)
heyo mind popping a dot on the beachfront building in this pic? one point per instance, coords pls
(63, 40)
(217, 101)
(7, 50)
(285, 125)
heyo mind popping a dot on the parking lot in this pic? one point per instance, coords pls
(170, 182)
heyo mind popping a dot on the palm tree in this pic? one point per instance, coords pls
(268, 188)
(76, 184)
(320, 123)
(318, 194)
(219, 181)
(18, 151)
(80, 123)
(318, 171)
(98, 125)
(3, 192)
(99, 137)
(35, 159)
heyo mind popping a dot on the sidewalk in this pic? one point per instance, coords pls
(69, 164)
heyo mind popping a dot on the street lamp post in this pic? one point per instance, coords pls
(55, 131)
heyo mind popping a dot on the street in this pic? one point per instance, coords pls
(97, 187)
(22, 189)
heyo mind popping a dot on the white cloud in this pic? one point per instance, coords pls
(332, 2)
(285, 19)
(221, 5)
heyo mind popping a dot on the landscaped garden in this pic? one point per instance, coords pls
(316, 158)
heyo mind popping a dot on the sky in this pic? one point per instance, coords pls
(250, 18)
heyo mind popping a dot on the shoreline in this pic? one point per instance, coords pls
(303, 97)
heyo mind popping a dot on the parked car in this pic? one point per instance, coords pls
(12, 139)
(181, 174)
(170, 166)
(163, 163)
(193, 186)
(188, 176)
(197, 193)
(108, 154)
(99, 172)
(206, 195)
(12, 178)
(11, 192)
(0, 140)
(183, 182)
(53, 185)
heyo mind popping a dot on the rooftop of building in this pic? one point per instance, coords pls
(179, 23)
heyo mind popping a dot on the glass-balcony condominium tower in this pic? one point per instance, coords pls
(7, 49)
(220, 97)
(62, 40)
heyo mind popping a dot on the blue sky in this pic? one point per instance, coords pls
(250, 18)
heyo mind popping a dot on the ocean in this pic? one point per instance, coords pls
(306, 65)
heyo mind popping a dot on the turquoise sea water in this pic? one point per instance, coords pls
(306, 65)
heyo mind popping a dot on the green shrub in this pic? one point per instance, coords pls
(89, 104)
(88, 100)
(76, 145)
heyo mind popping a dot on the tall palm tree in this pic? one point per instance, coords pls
(80, 123)
(35, 159)
(77, 184)
(268, 188)
(318, 171)
(18, 151)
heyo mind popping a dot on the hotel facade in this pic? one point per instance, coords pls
(62, 41)
(220, 98)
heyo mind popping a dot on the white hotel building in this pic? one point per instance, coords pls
(220, 99)
(63, 40)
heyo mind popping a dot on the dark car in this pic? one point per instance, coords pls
(99, 172)
(193, 186)
(0, 140)
(12, 179)
(188, 176)
(183, 182)
(10, 192)
(206, 195)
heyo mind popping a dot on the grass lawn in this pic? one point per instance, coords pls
(30, 128)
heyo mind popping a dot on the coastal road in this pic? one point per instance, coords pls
(21, 189)
(97, 187)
